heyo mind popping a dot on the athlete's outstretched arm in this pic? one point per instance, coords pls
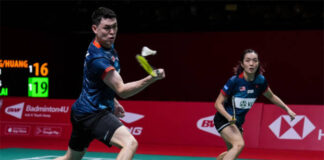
(125, 90)
(277, 101)
(219, 105)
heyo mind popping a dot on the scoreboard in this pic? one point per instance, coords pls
(24, 78)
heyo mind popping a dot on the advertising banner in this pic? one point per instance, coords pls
(183, 123)
(306, 132)
(179, 123)
(32, 117)
(171, 123)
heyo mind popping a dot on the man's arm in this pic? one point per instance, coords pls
(125, 90)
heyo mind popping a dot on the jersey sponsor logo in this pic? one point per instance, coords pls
(131, 118)
(15, 110)
(206, 124)
(298, 129)
(250, 91)
(243, 103)
(113, 58)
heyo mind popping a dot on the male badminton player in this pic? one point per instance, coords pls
(236, 99)
(95, 114)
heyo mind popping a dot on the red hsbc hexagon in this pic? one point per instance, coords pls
(299, 128)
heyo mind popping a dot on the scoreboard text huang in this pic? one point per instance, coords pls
(10, 63)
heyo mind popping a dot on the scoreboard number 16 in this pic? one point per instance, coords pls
(42, 70)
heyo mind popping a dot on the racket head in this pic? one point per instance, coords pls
(146, 66)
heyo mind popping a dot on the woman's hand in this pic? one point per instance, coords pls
(292, 114)
(233, 120)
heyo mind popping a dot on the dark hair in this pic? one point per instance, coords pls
(102, 12)
(238, 68)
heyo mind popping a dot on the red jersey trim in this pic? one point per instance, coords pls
(106, 71)
(241, 75)
(95, 43)
(223, 92)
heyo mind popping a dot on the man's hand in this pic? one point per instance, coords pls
(160, 73)
(119, 110)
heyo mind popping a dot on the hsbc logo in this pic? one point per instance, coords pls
(206, 124)
(15, 110)
(131, 118)
(297, 129)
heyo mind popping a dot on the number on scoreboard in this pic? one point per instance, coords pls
(38, 86)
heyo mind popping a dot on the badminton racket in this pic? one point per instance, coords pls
(143, 61)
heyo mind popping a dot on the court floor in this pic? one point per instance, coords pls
(20, 148)
(37, 154)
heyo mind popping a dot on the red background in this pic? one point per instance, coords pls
(197, 64)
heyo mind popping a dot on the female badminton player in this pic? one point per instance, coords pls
(236, 99)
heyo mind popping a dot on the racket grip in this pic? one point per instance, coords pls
(157, 71)
(233, 120)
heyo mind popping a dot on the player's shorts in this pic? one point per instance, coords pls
(101, 126)
(221, 122)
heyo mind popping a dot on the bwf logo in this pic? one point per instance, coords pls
(130, 118)
(15, 110)
(207, 124)
(284, 128)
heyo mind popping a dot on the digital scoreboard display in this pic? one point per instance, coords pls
(24, 78)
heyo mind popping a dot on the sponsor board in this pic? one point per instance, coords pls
(173, 123)
(131, 118)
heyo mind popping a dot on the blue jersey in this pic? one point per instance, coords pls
(95, 94)
(242, 94)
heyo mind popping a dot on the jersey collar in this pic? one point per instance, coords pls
(96, 43)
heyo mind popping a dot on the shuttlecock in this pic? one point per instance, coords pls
(146, 51)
